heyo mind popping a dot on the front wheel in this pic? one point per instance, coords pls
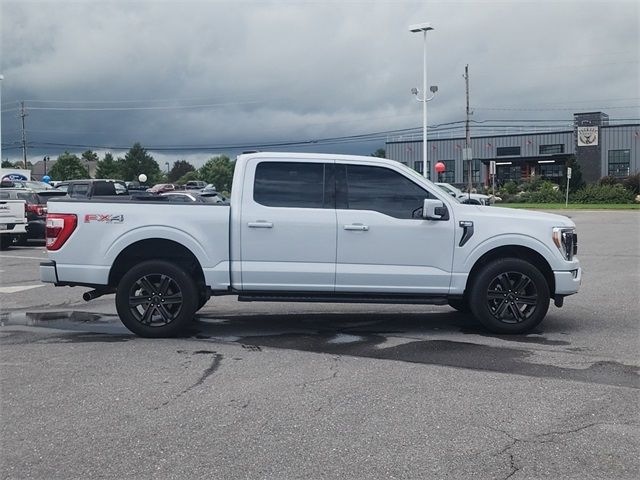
(509, 296)
(156, 299)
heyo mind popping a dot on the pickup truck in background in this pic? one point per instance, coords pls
(13, 221)
(313, 227)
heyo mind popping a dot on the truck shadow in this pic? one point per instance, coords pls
(445, 338)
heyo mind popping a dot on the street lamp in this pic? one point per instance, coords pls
(424, 28)
(167, 165)
(1, 79)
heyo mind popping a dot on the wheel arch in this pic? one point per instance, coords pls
(514, 251)
(156, 249)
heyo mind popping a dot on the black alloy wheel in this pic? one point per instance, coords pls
(509, 295)
(512, 297)
(156, 299)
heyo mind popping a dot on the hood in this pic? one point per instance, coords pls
(522, 214)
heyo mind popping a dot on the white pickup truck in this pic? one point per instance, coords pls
(13, 220)
(312, 227)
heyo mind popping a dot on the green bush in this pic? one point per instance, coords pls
(632, 183)
(609, 180)
(603, 194)
(547, 193)
(531, 185)
(510, 187)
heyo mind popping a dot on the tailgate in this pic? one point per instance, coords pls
(11, 213)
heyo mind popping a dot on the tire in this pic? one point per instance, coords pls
(203, 298)
(5, 241)
(22, 240)
(156, 299)
(509, 296)
(460, 304)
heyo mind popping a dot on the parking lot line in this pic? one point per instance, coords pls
(19, 288)
(23, 257)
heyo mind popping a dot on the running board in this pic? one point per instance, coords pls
(342, 298)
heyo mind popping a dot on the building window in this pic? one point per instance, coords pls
(549, 149)
(506, 173)
(551, 171)
(449, 174)
(619, 163)
(475, 171)
(417, 166)
(507, 151)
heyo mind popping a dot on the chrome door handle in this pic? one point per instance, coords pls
(357, 226)
(260, 224)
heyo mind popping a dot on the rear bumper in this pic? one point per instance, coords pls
(48, 272)
(568, 282)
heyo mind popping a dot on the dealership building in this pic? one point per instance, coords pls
(600, 149)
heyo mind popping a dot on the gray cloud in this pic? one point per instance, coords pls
(303, 70)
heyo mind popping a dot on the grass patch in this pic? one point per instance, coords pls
(572, 206)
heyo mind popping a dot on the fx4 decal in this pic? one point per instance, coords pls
(103, 218)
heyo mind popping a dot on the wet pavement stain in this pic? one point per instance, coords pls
(359, 335)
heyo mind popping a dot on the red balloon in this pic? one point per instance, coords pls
(440, 167)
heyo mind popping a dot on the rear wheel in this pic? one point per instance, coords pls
(156, 298)
(509, 296)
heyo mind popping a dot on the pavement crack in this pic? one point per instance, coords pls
(210, 370)
(333, 368)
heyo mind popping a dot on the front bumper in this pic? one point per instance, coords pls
(568, 282)
(48, 272)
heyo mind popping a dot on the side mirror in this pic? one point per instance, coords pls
(434, 210)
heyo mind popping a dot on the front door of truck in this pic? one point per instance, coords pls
(384, 244)
(288, 226)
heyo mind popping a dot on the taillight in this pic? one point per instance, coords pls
(60, 226)
(39, 210)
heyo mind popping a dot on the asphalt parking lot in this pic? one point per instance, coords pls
(285, 391)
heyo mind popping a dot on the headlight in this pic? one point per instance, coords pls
(566, 240)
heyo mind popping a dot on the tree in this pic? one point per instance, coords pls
(180, 168)
(187, 177)
(138, 161)
(89, 156)
(380, 153)
(68, 167)
(108, 167)
(576, 182)
(219, 172)
(8, 164)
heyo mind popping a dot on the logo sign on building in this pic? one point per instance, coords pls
(14, 176)
(587, 136)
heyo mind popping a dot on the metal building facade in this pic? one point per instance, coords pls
(542, 154)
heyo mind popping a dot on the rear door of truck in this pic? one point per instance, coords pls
(288, 225)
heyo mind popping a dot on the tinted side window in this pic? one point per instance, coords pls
(289, 184)
(385, 191)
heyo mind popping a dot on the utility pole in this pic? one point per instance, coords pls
(24, 135)
(468, 131)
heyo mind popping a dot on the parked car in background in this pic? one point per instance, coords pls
(195, 185)
(136, 187)
(162, 188)
(191, 196)
(462, 197)
(31, 185)
(210, 188)
(13, 220)
(35, 210)
(93, 188)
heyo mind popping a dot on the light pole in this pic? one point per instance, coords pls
(424, 28)
(1, 79)
(167, 165)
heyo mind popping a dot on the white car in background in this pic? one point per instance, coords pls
(474, 198)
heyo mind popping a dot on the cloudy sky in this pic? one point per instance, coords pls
(189, 79)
